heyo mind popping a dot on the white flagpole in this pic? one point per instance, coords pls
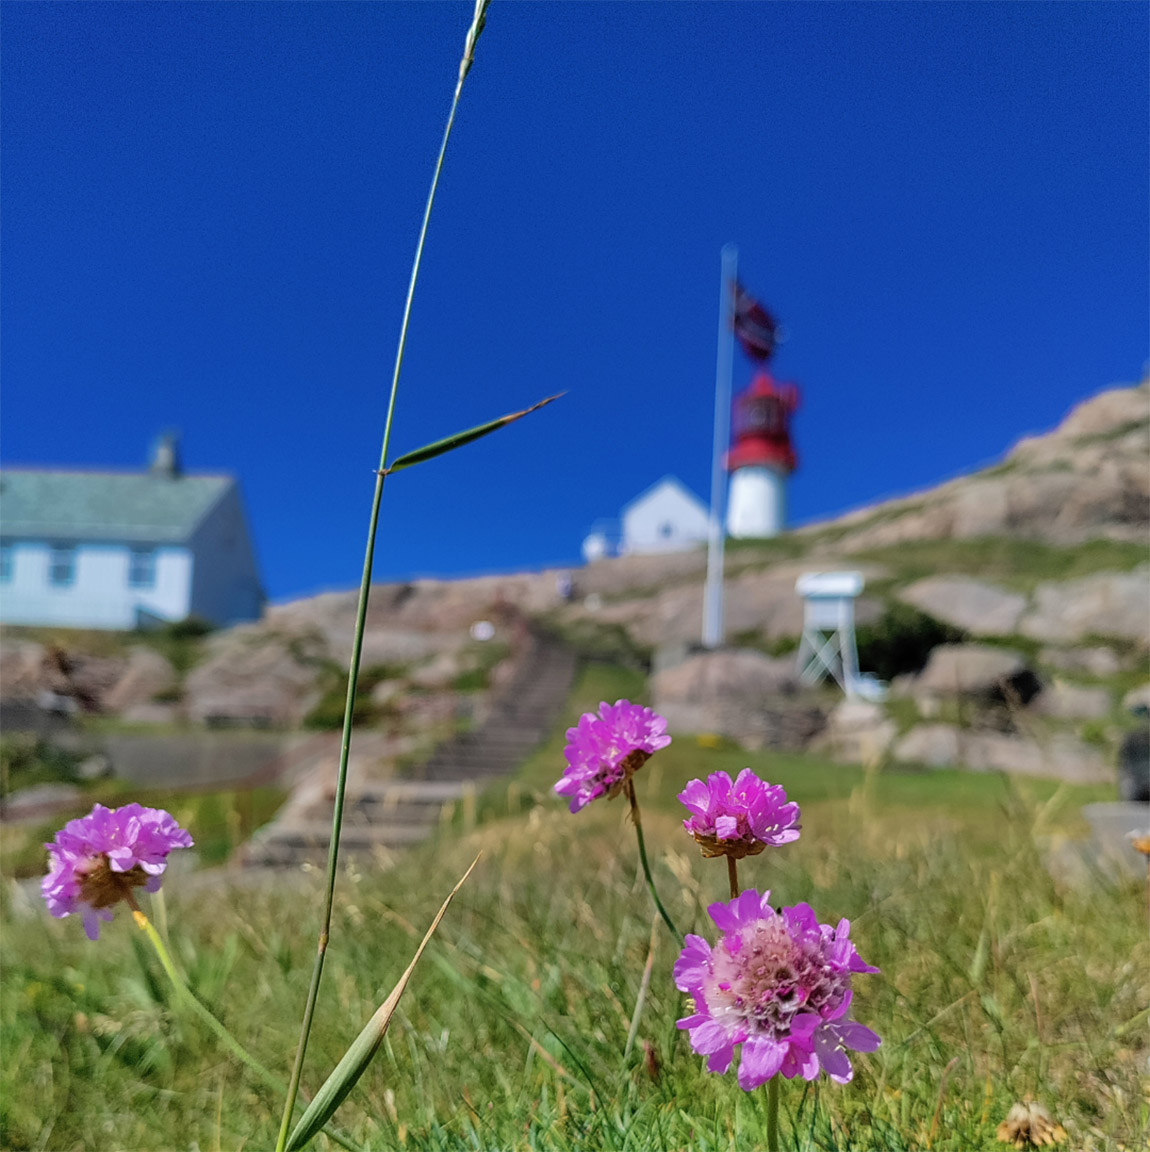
(713, 592)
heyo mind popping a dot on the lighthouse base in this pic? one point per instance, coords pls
(757, 503)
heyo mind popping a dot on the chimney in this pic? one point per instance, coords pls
(166, 456)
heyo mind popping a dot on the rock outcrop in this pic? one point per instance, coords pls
(977, 671)
(1110, 604)
(979, 608)
(1062, 756)
(741, 694)
(1087, 479)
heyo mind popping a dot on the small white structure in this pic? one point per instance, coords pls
(668, 517)
(828, 647)
(602, 540)
(125, 550)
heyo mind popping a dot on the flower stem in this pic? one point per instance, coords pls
(630, 789)
(188, 997)
(364, 593)
(733, 875)
(773, 1114)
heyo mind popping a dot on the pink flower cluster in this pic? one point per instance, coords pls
(98, 860)
(604, 751)
(779, 984)
(741, 818)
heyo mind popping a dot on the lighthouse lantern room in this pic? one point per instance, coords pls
(761, 458)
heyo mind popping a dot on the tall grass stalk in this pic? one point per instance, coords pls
(473, 33)
(189, 998)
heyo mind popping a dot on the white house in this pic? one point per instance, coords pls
(668, 517)
(125, 550)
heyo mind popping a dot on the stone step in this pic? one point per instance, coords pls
(365, 812)
(411, 791)
(317, 833)
(396, 813)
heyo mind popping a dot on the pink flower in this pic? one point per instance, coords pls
(779, 983)
(98, 860)
(739, 819)
(603, 752)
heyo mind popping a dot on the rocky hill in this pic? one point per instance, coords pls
(1041, 558)
(1088, 479)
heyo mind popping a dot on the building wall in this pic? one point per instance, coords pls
(99, 595)
(226, 585)
(757, 503)
(666, 519)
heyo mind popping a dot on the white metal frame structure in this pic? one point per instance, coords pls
(828, 646)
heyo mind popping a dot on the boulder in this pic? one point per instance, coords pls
(1107, 604)
(978, 671)
(1096, 660)
(90, 679)
(935, 745)
(944, 746)
(981, 609)
(151, 712)
(21, 669)
(857, 732)
(30, 671)
(742, 694)
(1063, 757)
(1137, 699)
(251, 676)
(1072, 702)
(386, 691)
(146, 675)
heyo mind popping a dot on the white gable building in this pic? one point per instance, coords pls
(125, 550)
(668, 517)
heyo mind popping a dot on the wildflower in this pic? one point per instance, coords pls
(603, 752)
(739, 819)
(779, 983)
(98, 860)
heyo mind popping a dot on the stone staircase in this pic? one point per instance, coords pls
(381, 816)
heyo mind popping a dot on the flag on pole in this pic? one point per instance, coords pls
(755, 328)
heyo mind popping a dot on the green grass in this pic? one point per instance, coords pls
(480, 660)
(1007, 560)
(327, 713)
(994, 979)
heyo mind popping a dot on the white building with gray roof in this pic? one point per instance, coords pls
(125, 550)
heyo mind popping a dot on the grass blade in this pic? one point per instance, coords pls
(359, 1055)
(450, 443)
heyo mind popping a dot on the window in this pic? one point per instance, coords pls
(666, 530)
(7, 557)
(61, 565)
(142, 568)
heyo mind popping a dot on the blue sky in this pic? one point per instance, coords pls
(210, 210)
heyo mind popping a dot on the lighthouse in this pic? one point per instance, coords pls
(761, 458)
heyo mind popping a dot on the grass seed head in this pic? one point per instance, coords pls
(1029, 1125)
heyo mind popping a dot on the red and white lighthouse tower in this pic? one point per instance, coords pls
(761, 458)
